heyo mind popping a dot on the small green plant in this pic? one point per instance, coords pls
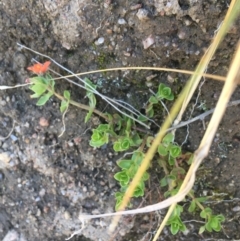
(213, 222)
(123, 133)
(129, 168)
(163, 92)
(43, 88)
(175, 221)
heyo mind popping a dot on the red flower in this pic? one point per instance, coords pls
(40, 68)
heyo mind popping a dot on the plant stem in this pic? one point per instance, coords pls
(197, 202)
(81, 106)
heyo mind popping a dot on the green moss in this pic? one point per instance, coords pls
(103, 59)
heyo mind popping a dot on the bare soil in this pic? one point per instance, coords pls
(46, 181)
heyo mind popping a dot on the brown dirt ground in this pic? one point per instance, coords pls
(49, 180)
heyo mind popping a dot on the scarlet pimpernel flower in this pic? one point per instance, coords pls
(40, 68)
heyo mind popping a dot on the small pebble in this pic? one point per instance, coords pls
(236, 209)
(182, 34)
(149, 41)
(143, 14)
(124, 63)
(13, 236)
(187, 22)
(109, 31)
(70, 143)
(150, 77)
(12, 163)
(149, 84)
(170, 79)
(3, 102)
(121, 21)
(43, 122)
(46, 209)
(67, 215)
(1, 176)
(14, 138)
(27, 124)
(186, 232)
(42, 192)
(99, 41)
(135, 7)
(38, 214)
(145, 217)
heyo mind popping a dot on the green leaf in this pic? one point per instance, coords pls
(125, 164)
(149, 141)
(201, 230)
(162, 150)
(174, 228)
(38, 89)
(43, 99)
(125, 144)
(103, 127)
(137, 157)
(64, 105)
(65, 102)
(189, 162)
(128, 124)
(178, 171)
(153, 100)
(119, 195)
(207, 212)
(118, 120)
(133, 170)
(52, 83)
(183, 227)
(168, 139)
(92, 99)
(150, 111)
(117, 146)
(203, 214)
(145, 176)
(39, 80)
(163, 182)
(118, 203)
(208, 226)
(164, 92)
(221, 218)
(98, 138)
(139, 190)
(136, 140)
(201, 199)
(122, 177)
(171, 160)
(89, 85)
(175, 221)
(192, 206)
(142, 118)
(215, 223)
(122, 144)
(175, 151)
(88, 116)
(178, 210)
(66, 95)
